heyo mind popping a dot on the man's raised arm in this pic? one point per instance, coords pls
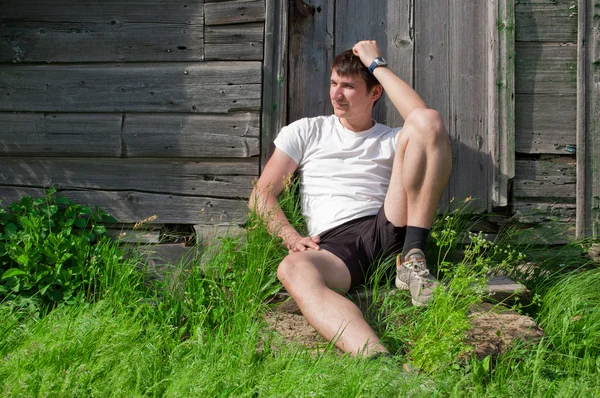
(264, 200)
(402, 95)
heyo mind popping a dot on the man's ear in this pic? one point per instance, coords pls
(376, 92)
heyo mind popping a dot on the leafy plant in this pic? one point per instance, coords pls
(50, 248)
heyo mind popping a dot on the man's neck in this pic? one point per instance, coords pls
(357, 125)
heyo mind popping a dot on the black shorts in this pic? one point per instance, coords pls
(362, 243)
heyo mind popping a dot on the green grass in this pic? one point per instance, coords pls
(203, 334)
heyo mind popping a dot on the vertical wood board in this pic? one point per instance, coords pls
(472, 175)
(389, 22)
(592, 126)
(432, 67)
(311, 49)
(275, 76)
(501, 96)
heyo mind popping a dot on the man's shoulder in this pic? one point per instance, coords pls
(314, 121)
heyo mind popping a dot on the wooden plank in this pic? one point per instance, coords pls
(552, 178)
(230, 12)
(92, 11)
(311, 49)
(545, 123)
(234, 42)
(132, 207)
(388, 22)
(227, 179)
(208, 87)
(196, 136)
(593, 119)
(102, 41)
(275, 69)
(546, 20)
(431, 70)
(125, 235)
(59, 134)
(583, 222)
(546, 68)
(473, 171)
(541, 210)
(501, 96)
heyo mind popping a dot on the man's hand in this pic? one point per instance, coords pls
(367, 51)
(300, 243)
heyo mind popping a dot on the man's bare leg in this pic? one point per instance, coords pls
(309, 276)
(421, 170)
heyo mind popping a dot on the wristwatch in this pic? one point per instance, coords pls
(376, 63)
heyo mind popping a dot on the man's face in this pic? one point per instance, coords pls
(349, 96)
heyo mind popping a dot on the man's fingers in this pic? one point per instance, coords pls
(316, 239)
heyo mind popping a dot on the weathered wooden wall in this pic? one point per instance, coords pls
(440, 49)
(140, 107)
(544, 187)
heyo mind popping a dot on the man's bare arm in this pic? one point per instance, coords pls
(264, 199)
(402, 95)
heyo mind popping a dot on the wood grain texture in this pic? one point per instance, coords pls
(131, 206)
(195, 136)
(501, 96)
(546, 20)
(540, 210)
(311, 52)
(227, 179)
(389, 23)
(215, 87)
(432, 70)
(554, 178)
(223, 13)
(154, 11)
(234, 42)
(546, 68)
(275, 76)
(473, 167)
(106, 41)
(59, 134)
(592, 101)
(545, 124)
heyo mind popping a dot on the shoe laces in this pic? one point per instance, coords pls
(419, 266)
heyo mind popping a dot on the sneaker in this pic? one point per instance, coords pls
(413, 275)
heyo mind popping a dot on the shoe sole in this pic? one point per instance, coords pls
(403, 286)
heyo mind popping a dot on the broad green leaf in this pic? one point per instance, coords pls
(9, 273)
(80, 222)
(61, 200)
(10, 229)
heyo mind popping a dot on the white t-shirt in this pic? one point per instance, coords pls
(344, 174)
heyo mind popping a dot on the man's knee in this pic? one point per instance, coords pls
(427, 124)
(286, 270)
(290, 269)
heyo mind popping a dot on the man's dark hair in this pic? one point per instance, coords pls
(348, 64)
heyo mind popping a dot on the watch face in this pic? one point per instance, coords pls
(380, 61)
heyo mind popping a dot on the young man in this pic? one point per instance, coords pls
(367, 191)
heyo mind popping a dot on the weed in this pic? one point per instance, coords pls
(50, 248)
